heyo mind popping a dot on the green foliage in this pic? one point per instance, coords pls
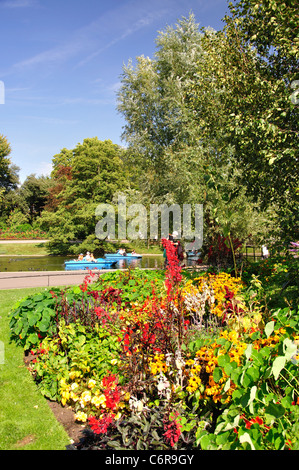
(78, 349)
(32, 319)
(278, 277)
(177, 108)
(135, 285)
(224, 390)
(141, 431)
(84, 177)
(263, 411)
(8, 178)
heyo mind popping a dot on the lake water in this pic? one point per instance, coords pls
(56, 263)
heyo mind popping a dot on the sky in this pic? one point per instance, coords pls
(61, 64)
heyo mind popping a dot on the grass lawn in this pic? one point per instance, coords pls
(10, 249)
(27, 422)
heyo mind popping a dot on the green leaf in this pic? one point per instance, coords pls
(275, 410)
(217, 374)
(252, 397)
(32, 338)
(246, 438)
(278, 365)
(33, 318)
(290, 348)
(248, 351)
(269, 328)
(223, 359)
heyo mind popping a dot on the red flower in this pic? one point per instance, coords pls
(173, 274)
(172, 430)
(249, 423)
(100, 426)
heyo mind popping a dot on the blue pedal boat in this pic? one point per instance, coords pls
(99, 263)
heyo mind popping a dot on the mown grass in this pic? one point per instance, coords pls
(19, 249)
(27, 422)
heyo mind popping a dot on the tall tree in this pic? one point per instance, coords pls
(8, 176)
(86, 176)
(159, 125)
(35, 191)
(173, 112)
(8, 171)
(255, 64)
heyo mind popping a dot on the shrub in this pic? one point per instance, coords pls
(32, 319)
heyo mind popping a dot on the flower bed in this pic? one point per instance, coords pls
(179, 361)
(22, 235)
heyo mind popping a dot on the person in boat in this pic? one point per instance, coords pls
(88, 257)
(122, 252)
(92, 258)
(80, 257)
(133, 252)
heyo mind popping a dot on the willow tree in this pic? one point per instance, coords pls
(159, 126)
(173, 114)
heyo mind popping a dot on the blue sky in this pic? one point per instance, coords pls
(61, 63)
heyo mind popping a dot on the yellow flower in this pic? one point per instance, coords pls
(127, 396)
(91, 383)
(113, 362)
(189, 362)
(74, 397)
(86, 397)
(99, 401)
(81, 416)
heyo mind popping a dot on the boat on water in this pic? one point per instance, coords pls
(118, 256)
(193, 255)
(99, 263)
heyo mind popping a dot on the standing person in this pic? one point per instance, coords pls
(180, 251)
(165, 258)
(265, 252)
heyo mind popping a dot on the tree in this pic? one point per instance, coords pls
(174, 114)
(244, 91)
(8, 176)
(8, 172)
(83, 178)
(159, 127)
(35, 191)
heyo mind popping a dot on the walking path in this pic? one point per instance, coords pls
(21, 280)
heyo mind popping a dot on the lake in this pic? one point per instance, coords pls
(56, 263)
